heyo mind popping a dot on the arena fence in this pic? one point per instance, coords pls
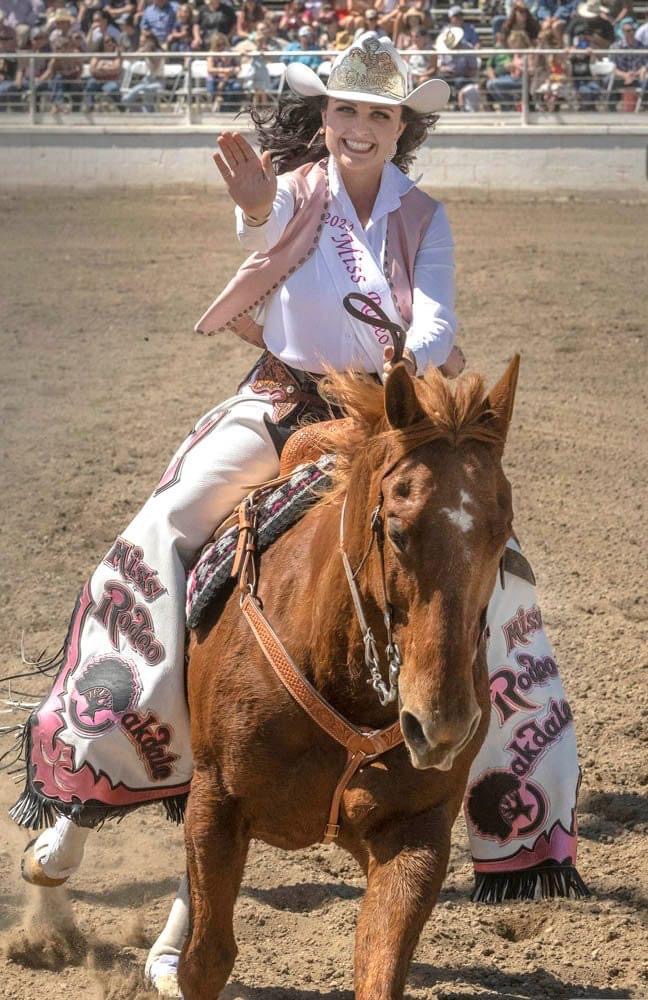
(176, 87)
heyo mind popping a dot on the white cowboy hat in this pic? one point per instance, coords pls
(591, 8)
(449, 39)
(370, 70)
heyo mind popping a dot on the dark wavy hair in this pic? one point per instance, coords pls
(287, 132)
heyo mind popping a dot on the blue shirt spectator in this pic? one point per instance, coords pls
(159, 19)
(636, 59)
(305, 41)
(456, 20)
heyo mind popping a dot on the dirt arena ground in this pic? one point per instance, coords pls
(101, 377)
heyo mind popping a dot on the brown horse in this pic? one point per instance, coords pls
(263, 768)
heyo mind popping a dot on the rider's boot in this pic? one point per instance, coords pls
(162, 962)
(55, 854)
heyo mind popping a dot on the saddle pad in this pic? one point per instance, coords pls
(280, 509)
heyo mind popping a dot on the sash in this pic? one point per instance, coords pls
(354, 268)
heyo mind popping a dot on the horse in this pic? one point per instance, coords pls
(427, 460)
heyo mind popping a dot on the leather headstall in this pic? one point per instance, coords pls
(362, 745)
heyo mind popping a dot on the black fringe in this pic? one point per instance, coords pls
(33, 811)
(175, 808)
(548, 881)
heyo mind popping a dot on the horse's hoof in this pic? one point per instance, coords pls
(33, 872)
(163, 975)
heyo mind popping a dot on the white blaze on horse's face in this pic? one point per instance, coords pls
(459, 516)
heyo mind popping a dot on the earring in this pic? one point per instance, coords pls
(319, 132)
(392, 154)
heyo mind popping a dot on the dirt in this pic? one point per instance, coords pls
(101, 377)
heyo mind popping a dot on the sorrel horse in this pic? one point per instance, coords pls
(430, 457)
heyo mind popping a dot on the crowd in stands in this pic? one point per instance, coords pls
(438, 41)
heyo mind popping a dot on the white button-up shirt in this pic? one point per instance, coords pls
(305, 324)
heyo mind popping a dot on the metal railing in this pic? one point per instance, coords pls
(182, 91)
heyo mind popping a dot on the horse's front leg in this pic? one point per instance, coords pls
(407, 864)
(217, 845)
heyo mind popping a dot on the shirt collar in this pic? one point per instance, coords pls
(394, 184)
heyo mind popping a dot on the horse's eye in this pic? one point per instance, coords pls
(397, 533)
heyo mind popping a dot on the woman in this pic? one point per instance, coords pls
(146, 94)
(105, 72)
(223, 86)
(250, 13)
(327, 209)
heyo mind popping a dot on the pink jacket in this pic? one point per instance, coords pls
(262, 273)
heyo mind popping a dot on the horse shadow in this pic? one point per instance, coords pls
(303, 897)
(127, 894)
(604, 812)
(236, 991)
(504, 986)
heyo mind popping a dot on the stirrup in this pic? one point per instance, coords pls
(33, 872)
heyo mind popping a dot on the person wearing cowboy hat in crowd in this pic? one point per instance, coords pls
(459, 67)
(592, 17)
(326, 209)
(456, 20)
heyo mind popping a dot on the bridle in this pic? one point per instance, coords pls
(374, 316)
(387, 692)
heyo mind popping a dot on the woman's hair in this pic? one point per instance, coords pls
(287, 133)
(519, 40)
(217, 38)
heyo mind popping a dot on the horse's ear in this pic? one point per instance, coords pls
(498, 405)
(401, 405)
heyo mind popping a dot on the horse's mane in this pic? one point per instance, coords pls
(453, 413)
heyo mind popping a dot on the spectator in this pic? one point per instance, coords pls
(458, 67)
(117, 8)
(181, 38)
(305, 43)
(215, 17)
(59, 24)
(263, 38)
(9, 89)
(293, 15)
(506, 89)
(520, 19)
(369, 21)
(631, 68)
(422, 67)
(146, 94)
(19, 12)
(641, 33)
(100, 26)
(592, 16)
(159, 19)
(223, 86)
(31, 74)
(105, 73)
(406, 25)
(128, 33)
(586, 88)
(343, 40)
(250, 13)
(65, 76)
(456, 20)
(549, 73)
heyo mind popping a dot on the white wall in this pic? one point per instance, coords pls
(485, 159)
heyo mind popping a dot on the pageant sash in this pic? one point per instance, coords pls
(354, 268)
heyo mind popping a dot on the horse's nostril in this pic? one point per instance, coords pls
(413, 730)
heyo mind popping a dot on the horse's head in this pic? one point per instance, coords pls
(448, 515)
(434, 466)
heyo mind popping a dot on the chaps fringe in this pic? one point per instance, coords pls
(547, 881)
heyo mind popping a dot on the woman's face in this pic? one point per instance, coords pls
(361, 136)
